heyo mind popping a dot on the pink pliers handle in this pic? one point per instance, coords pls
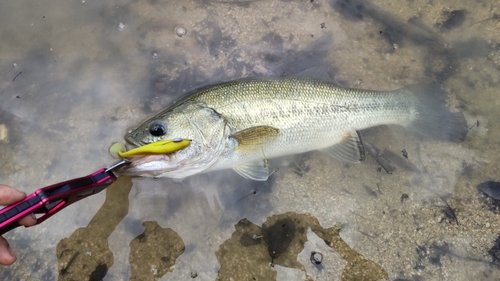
(52, 199)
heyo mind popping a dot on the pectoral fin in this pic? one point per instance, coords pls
(255, 137)
(253, 170)
(351, 149)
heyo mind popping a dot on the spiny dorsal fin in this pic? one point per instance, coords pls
(255, 137)
(351, 149)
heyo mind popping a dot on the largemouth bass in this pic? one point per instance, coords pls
(241, 124)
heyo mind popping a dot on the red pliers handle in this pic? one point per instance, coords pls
(52, 199)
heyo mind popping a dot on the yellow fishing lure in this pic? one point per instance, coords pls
(159, 147)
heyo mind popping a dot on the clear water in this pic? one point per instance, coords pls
(74, 75)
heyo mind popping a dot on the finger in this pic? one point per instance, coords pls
(28, 220)
(9, 195)
(6, 255)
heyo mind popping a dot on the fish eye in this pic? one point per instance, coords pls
(157, 128)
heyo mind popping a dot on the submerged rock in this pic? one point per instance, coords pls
(489, 195)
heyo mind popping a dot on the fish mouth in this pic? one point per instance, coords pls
(149, 166)
(177, 164)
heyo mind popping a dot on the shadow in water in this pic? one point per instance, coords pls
(154, 252)
(248, 254)
(86, 251)
(85, 255)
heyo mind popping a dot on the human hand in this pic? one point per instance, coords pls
(9, 195)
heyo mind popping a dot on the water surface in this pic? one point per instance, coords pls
(74, 75)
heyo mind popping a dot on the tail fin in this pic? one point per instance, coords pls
(434, 119)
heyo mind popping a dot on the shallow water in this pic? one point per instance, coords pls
(74, 75)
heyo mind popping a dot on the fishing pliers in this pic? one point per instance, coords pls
(49, 200)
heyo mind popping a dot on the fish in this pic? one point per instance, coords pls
(241, 124)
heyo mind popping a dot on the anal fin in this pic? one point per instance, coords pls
(351, 149)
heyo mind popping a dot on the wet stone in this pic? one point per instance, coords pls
(316, 258)
(490, 203)
(490, 188)
(489, 195)
(180, 31)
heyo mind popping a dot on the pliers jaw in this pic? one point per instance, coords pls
(117, 165)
